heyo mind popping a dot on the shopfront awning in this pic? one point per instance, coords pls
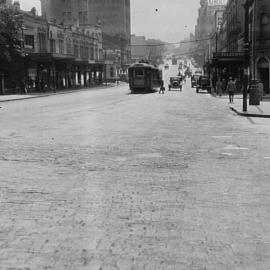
(224, 58)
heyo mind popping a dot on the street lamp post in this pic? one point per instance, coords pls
(246, 55)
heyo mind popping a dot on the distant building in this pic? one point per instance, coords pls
(139, 48)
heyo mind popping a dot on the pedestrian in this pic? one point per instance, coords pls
(224, 86)
(22, 87)
(219, 87)
(162, 88)
(231, 88)
(42, 85)
(261, 89)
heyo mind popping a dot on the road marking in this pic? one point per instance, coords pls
(227, 154)
(221, 137)
(149, 155)
(232, 147)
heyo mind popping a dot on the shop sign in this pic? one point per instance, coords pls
(217, 3)
(228, 54)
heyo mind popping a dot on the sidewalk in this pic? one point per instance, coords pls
(263, 110)
(7, 98)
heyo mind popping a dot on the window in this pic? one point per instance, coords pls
(76, 50)
(81, 51)
(139, 72)
(69, 16)
(85, 17)
(92, 57)
(86, 54)
(69, 47)
(80, 17)
(112, 72)
(29, 42)
(61, 46)
(42, 42)
(52, 46)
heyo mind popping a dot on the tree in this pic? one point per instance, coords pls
(11, 23)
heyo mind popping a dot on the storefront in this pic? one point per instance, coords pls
(228, 64)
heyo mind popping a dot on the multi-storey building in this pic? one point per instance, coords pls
(228, 57)
(112, 15)
(234, 16)
(57, 56)
(259, 36)
(206, 28)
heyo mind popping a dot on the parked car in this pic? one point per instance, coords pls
(176, 83)
(203, 83)
(193, 81)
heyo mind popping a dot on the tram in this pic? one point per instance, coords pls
(144, 77)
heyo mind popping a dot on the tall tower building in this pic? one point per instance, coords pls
(51, 10)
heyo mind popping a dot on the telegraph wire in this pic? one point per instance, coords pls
(171, 43)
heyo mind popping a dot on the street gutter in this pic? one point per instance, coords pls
(250, 114)
(57, 93)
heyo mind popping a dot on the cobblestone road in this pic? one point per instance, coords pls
(104, 180)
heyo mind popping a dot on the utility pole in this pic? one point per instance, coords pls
(246, 55)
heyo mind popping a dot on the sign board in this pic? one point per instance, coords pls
(228, 54)
(212, 3)
(219, 19)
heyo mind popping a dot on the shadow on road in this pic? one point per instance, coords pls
(141, 93)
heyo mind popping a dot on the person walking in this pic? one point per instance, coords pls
(261, 89)
(219, 87)
(162, 88)
(22, 87)
(231, 88)
(42, 85)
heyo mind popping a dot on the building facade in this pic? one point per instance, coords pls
(259, 36)
(228, 59)
(112, 15)
(205, 29)
(57, 57)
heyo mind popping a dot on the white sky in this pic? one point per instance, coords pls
(173, 20)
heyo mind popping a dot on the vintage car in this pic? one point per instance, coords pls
(193, 81)
(203, 83)
(176, 83)
(195, 77)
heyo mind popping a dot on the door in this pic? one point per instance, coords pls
(264, 75)
(263, 70)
